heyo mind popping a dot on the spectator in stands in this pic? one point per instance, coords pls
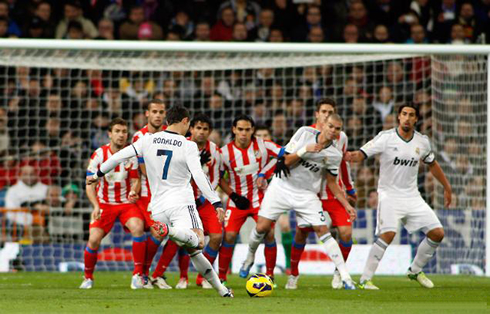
(106, 29)
(26, 193)
(73, 13)
(358, 16)
(394, 78)
(230, 87)
(170, 91)
(384, 103)
(313, 22)
(281, 133)
(260, 112)
(43, 12)
(425, 13)
(117, 104)
(458, 35)
(365, 181)
(183, 21)
(71, 198)
(9, 169)
(4, 132)
(216, 111)
(372, 201)
(445, 14)
(316, 35)
(245, 11)
(175, 33)
(52, 132)
(417, 35)
(13, 28)
(263, 29)
(206, 90)
(284, 13)
(389, 122)
(37, 29)
(296, 113)
(74, 31)
(137, 27)
(98, 130)
(353, 128)
(202, 31)
(276, 36)
(223, 29)
(44, 161)
(370, 118)
(240, 32)
(350, 34)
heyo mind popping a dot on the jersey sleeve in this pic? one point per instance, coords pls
(136, 139)
(94, 163)
(333, 164)
(298, 138)
(194, 165)
(274, 150)
(375, 146)
(428, 155)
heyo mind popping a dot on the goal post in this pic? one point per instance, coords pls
(70, 88)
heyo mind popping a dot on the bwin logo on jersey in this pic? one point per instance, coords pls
(310, 166)
(405, 162)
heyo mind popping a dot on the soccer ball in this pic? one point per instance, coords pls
(259, 285)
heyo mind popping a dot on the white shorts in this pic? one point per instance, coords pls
(307, 206)
(414, 213)
(185, 216)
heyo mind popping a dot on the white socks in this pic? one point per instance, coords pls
(425, 251)
(253, 243)
(333, 251)
(205, 268)
(375, 255)
(185, 236)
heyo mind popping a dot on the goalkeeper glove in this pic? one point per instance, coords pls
(281, 168)
(205, 157)
(240, 201)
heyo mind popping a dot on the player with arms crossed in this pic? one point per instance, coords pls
(210, 156)
(311, 155)
(339, 216)
(401, 149)
(155, 113)
(171, 161)
(110, 200)
(248, 162)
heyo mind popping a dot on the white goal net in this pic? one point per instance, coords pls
(56, 105)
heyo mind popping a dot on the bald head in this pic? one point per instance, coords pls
(334, 117)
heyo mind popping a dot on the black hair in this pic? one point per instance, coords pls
(155, 101)
(409, 105)
(326, 101)
(117, 121)
(201, 117)
(245, 118)
(176, 114)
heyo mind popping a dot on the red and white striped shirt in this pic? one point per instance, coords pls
(345, 179)
(245, 165)
(115, 186)
(145, 186)
(212, 168)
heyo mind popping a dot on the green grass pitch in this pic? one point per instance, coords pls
(58, 293)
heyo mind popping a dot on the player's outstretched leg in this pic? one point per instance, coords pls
(205, 268)
(425, 252)
(158, 278)
(333, 251)
(375, 255)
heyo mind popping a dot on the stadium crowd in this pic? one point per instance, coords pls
(52, 119)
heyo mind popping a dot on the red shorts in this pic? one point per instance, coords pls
(337, 213)
(209, 219)
(111, 212)
(142, 204)
(235, 218)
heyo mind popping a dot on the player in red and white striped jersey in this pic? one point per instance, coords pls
(339, 216)
(155, 113)
(111, 199)
(200, 128)
(248, 162)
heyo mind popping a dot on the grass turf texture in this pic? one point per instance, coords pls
(55, 292)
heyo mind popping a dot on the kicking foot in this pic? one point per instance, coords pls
(161, 283)
(349, 284)
(245, 270)
(292, 283)
(229, 294)
(421, 278)
(87, 284)
(337, 280)
(367, 285)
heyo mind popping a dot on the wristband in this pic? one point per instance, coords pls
(351, 192)
(217, 205)
(301, 152)
(261, 175)
(99, 174)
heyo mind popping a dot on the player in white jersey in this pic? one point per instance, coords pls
(311, 156)
(401, 150)
(171, 162)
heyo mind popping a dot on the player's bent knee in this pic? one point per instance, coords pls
(436, 235)
(215, 239)
(388, 236)
(230, 237)
(345, 234)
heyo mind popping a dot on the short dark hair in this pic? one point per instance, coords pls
(409, 105)
(261, 127)
(326, 101)
(201, 117)
(245, 118)
(176, 114)
(117, 121)
(155, 101)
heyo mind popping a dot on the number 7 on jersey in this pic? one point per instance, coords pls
(168, 153)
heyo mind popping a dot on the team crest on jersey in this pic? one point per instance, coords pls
(256, 154)
(417, 151)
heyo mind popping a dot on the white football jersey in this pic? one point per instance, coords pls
(399, 162)
(171, 162)
(311, 170)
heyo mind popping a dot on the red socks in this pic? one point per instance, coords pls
(152, 246)
(345, 248)
(270, 252)
(225, 255)
(90, 259)
(296, 251)
(167, 255)
(139, 254)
